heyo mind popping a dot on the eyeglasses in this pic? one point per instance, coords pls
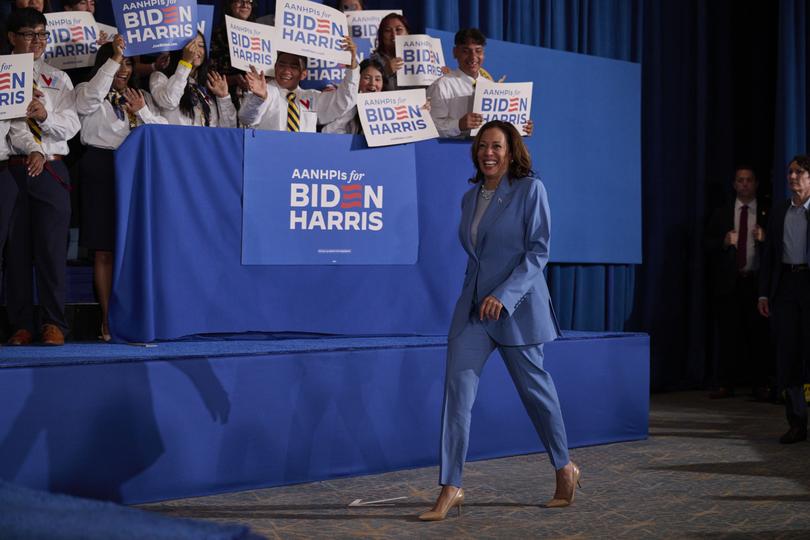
(29, 36)
(242, 2)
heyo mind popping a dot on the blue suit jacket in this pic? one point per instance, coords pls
(508, 262)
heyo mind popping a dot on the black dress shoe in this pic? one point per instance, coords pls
(794, 435)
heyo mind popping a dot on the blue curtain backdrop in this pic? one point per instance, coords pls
(793, 103)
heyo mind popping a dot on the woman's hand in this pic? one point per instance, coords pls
(162, 62)
(490, 308)
(134, 100)
(349, 45)
(528, 128)
(217, 84)
(190, 51)
(394, 65)
(118, 46)
(256, 83)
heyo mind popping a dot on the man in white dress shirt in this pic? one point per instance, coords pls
(39, 225)
(281, 105)
(451, 96)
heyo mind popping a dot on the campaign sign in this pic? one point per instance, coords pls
(106, 31)
(309, 198)
(205, 23)
(155, 26)
(363, 27)
(311, 30)
(423, 60)
(323, 73)
(508, 102)
(250, 44)
(72, 37)
(16, 82)
(395, 117)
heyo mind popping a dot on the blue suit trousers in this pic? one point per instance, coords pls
(467, 353)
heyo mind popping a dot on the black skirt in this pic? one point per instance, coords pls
(97, 195)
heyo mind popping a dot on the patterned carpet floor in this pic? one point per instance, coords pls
(710, 469)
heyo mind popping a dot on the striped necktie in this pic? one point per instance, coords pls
(33, 125)
(293, 121)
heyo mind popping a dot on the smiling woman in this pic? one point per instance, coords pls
(110, 106)
(505, 305)
(193, 94)
(220, 46)
(391, 26)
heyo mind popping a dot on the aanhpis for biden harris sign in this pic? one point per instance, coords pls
(309, 198)
(155, 26)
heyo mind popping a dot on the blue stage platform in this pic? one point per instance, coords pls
(177, 419)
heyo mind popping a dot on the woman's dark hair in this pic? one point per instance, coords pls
(25, 18)
(105, 52)
(372, 62)
(521, 164)
(200, 76)
(803, 161)
(384, 20)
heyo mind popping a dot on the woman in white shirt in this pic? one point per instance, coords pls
(193, 96)
(109, 107)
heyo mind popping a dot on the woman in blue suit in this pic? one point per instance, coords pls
(504, 304)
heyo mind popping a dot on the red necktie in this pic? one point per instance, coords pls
(742, 238)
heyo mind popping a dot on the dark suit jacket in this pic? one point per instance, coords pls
(723, 259)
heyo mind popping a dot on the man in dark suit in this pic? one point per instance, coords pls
(733, 236)
(784, 293)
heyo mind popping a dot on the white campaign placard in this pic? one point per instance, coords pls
(395, 117)
(251, 44)
(72, 37)
(311, 30)
(509, 102)
(107, 29)
(16, 84)
(363, 27)
(423, 59)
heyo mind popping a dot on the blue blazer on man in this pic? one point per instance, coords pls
(507, 263)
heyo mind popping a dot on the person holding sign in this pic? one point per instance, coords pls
(281, 105)
(452, 95)
(39, 225)
(193, 95)
(391, 26)
(504, 305)
(110, 106)
(220, 49)
(371, 80)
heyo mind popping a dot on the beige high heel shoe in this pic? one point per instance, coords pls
(440, 512)
(562, 503)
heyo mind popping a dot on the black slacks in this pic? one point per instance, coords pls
(37, 240)
(791, 326)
